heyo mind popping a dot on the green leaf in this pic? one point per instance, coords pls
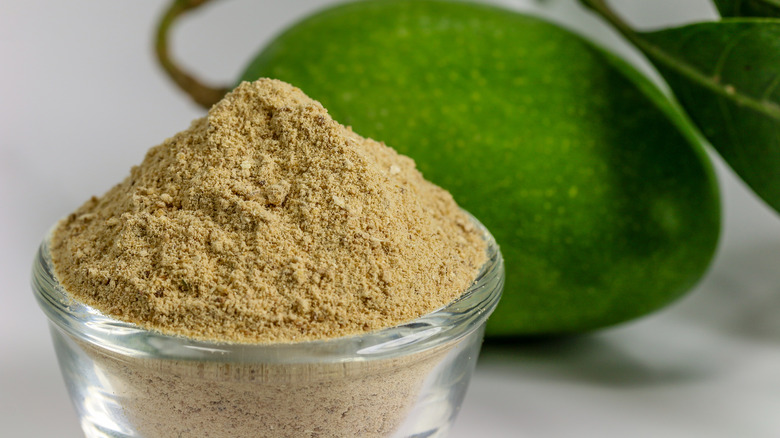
(727, 77)
(748, 8)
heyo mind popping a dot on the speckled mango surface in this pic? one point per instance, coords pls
(603, 208)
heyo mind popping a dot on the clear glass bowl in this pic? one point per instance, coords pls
(404, 381)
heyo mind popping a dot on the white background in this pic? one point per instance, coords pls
(81, 100)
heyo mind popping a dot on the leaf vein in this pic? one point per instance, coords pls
(721, 62)
(771, 87)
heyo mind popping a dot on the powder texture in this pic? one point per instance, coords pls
(267, 221)
(367, 399)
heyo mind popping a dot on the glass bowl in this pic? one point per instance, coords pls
(404, 381)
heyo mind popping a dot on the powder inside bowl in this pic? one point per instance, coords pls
(267, 221)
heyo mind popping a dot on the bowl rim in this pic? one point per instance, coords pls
(444, 325)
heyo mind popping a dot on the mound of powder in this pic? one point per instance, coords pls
(267, 221)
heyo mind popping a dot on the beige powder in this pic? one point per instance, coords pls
(174, 399)
(267, 221)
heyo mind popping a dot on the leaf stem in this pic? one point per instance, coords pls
(204, 95)
(601, 8)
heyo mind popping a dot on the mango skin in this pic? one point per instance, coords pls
(605, 208)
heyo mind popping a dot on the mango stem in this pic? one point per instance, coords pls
(204, 95)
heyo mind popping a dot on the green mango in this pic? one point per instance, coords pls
(604, 203)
